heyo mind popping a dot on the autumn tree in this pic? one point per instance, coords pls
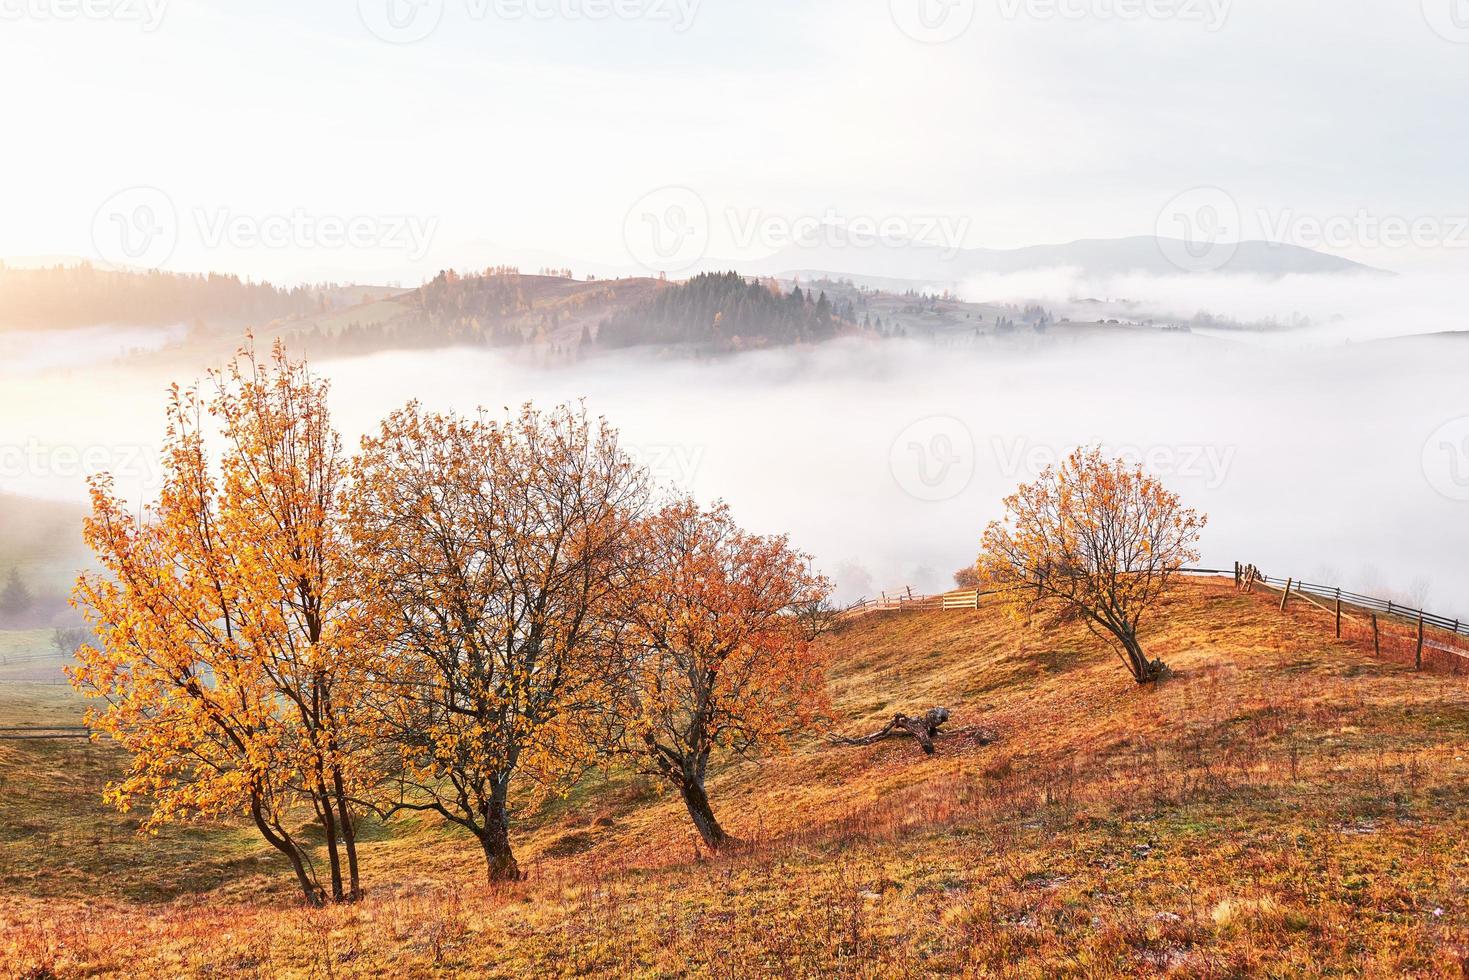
(716, 652)
(1098, 537)
(230, 656)
(493, 548)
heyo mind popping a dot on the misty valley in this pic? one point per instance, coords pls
(723, 489)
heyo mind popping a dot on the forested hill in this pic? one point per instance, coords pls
(551, 312)
(83, 295)
(727, 312)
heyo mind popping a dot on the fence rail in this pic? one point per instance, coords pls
(1369, 603)
(31, 733)
(908, 601)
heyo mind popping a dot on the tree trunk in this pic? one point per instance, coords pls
(1144, 671)
(329, 829)
(495, 839)
(349, 835)
(282, 842)
(694, 797)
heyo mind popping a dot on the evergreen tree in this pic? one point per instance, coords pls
(15, 597)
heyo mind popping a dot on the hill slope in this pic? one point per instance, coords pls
(1285, 803)
(1142, 255)
(501, 308)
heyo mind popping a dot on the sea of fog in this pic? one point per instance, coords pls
(29, 351)
(1346, 464)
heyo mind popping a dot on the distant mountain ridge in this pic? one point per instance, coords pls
(1098, 257)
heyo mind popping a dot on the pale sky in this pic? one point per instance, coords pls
(288, 140)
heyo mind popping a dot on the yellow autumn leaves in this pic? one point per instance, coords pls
(1098, 537)
(300, 636)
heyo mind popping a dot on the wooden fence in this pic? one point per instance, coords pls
(907, 601)
(34, 732)
(1394, 631)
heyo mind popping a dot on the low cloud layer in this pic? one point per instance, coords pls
(1347, 463)
(1323, 310)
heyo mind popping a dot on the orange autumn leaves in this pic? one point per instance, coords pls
(712, 655)
(492, 552)
(1097, 537)
(301, 637)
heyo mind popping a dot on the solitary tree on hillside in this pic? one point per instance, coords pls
(230, 658)
(1095, 536)
(716, 651)
(491, 550)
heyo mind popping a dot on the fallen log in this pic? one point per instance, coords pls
(924, 728)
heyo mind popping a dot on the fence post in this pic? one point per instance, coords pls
(1288, 583)
(1338, 614)
(1376, 637)
(1237, 575)
(1418, 659)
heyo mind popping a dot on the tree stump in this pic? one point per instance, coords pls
(924, 728)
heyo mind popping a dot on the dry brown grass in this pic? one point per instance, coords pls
(1284, 805)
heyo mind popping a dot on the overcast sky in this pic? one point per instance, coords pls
(368, 141)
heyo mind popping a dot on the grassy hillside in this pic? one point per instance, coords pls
(1284, 804)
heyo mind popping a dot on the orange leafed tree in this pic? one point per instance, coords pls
(230, 648)
(716, 651)
(492, 549)
(1095, 536)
